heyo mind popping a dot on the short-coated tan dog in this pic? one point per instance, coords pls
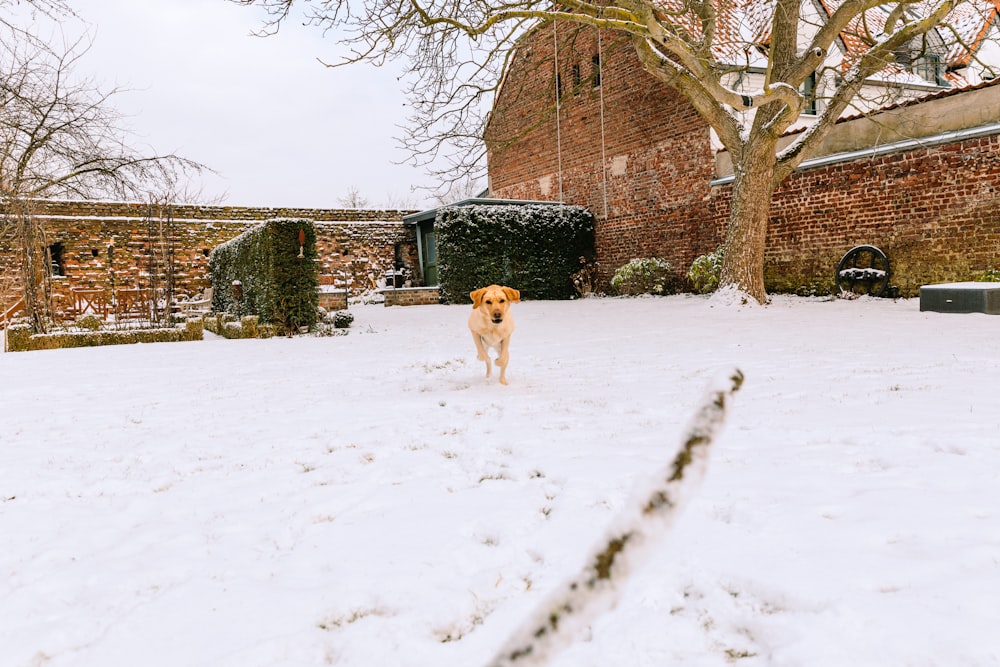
(491, 324)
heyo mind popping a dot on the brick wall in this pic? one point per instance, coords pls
(934, 210)
(653, 152)
(412, 296)
(125, 244)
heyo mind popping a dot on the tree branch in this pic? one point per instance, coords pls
(630, 541)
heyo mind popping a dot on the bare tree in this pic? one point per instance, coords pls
(61, 137)
(705, 49)
(400, 201)
(54, 9)
(466, 188)
(353, 198)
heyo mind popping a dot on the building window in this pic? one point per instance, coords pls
(928, 67)
(596, 65)
(57, 259)
(809, 93)
(577, 78)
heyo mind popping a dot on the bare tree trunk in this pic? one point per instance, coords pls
(749, 214)
(34, 269)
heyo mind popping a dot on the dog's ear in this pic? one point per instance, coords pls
(512, 294)
(477, 297)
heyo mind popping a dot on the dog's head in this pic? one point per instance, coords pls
(494, 301)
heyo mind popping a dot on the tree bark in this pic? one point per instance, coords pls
(34, 269)
(749, 214)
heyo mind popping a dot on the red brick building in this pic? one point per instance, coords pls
(921, 180)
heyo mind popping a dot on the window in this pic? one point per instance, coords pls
(929, 68)
(577, 77)
(57, 260)
(596, 65)
(809, 92)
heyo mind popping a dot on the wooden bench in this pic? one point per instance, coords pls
(200, 305)
(88, 301)
(134, 304)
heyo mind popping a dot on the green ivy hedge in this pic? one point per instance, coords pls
(533, 248)
(279, 287)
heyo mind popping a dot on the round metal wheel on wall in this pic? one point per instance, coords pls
(864, 270)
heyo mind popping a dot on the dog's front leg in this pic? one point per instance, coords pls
(502, 358)
(481, 353)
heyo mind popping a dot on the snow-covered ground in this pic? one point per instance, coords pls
(371, 499)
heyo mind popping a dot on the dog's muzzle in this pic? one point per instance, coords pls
(497, 319)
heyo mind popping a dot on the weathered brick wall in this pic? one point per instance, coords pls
(654, 152)
(412, 296)
(126, 244)
(935, 210)
(357, 254)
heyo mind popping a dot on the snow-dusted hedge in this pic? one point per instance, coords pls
(278, 286)
(644, 275)
(534, 248)
(20, 338)
(248, 326)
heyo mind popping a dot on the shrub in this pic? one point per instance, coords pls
(342, 319)
(533, 248)
(232, 330)
(278, 285)
(90, 322)
(705, 270)
(20, 338)
(227, 326)
(585, 280)
(249, 324)
(989, 276)
(648, 275)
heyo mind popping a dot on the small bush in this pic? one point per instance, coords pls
(643, 276)
(585, 279)
(705, 270)
(342, 319)
(250, 326)
(90, 323)
(195, 329)
(989, 276)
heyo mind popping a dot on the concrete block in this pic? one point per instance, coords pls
(968, 297)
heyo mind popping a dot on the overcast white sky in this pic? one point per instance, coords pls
(280, 128)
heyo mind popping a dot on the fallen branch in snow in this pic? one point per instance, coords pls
(630, 540)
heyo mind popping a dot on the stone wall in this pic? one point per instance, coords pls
(935, 209)
(119, 245)
(412, 296)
